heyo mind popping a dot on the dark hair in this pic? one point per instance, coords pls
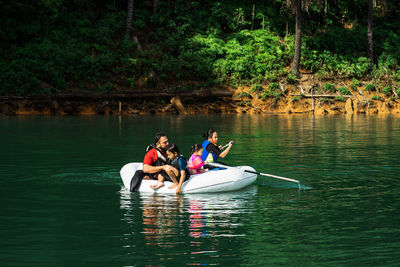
(173, 148)
(158, 137)
(209, 133)
(195, 148)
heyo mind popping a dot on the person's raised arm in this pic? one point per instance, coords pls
(226, 151)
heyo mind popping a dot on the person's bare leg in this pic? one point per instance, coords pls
(172, 174)
(159, 184)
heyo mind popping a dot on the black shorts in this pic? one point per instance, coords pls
(166, 176)
(163, 173)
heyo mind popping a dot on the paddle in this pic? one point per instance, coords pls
(225, 146)
(258, 173)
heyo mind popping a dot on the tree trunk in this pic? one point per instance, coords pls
(370, 30)
(287, 23)
(297, 49)
(154, 7)
(129, 18)
(252, 17)
(263, 19)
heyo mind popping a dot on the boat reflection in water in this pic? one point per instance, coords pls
(184, 222)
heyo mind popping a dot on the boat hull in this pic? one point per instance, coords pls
(230, 179)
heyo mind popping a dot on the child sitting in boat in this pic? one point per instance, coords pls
(195, 162)
(180, 163)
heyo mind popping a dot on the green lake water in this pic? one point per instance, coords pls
(62, 201)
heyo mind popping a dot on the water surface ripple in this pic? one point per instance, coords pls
(63, 202)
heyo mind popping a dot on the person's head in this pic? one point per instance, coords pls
(172, 151)
(161, 141)
(211, 135)
(196, 149)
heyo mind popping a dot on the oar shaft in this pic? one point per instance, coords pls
(273, 176)
(258, 173)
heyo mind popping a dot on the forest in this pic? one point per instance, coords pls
(56, 46)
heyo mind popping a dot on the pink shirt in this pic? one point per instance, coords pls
(195, 163)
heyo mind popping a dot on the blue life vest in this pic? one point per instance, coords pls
(174, 163)
(206, 156)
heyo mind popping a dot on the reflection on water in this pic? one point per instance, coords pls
(169, 220)
(198, 213)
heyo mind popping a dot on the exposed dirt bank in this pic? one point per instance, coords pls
(300, 98)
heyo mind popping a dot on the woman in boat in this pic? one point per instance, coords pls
(211, 151)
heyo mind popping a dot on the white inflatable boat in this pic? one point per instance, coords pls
(229, 179)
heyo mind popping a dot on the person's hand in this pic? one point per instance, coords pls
(220, 147)
(178, 190)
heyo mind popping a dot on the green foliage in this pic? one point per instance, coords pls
(340, 98)
(107, 87)
(322, 74)
(356, 83)
(54, 58)
(328, 87)
(243, 94)
(387, 90)
(327, 64)
(291, 79)
(268, 93)
(344, 91)
(370, 87)
(326, 100)
(274, 75)
(53, 45)
(274, 86)
(256, 88)
(295, 99)
(376, 97)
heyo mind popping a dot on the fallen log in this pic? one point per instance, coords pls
(312, 96)
(124, 95)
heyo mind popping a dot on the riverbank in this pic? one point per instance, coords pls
(305, 96)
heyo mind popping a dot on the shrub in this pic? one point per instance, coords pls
(295, 99)
(291, 79)
(340, 98)
(326, 101)
(328, 87)
(244, 95)
(322, 75)
(274, 86)
(356, 83)
(370, 87)
(270, 93)
(256, 88)
(387, 90)
(344, 91)
(376, 97)
(274, 74)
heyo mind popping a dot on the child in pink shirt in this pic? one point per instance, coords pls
(195, 162)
